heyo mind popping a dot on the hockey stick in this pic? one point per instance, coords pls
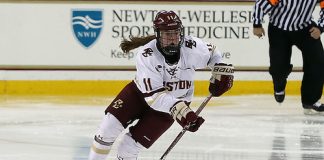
(175, 141)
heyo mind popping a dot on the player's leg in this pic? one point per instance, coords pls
(106, 135)
(123, 110)
(142, 135)
(128, 148)
(280, 48)
(313, 78)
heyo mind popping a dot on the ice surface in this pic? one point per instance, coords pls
(252, 127)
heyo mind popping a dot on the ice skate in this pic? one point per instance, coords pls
(279, 96)
(316, 108)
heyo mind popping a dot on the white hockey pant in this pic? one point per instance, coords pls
(128, 149)
(109, 130)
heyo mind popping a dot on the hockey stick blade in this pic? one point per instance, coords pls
(175, 141)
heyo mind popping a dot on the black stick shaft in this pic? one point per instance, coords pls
(175, 141)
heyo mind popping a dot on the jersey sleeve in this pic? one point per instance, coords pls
(205, 54)
(149, 80)
(261, 8)
(201, 54)
(215, 55)
(321, 18)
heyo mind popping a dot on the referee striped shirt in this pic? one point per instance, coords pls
(289, 15)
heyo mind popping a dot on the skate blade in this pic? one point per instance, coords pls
(311, 112)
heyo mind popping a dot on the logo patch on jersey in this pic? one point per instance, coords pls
(190, 44)
(172, 72)
(87, 26)
(158, 68)
(147, 52)
(118, 104)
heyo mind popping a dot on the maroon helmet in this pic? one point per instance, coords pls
(169, 33)
(165, 20)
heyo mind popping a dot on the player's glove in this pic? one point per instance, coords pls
(221, 79)
(185, 116)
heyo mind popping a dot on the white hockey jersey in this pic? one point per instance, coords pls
(162, 84)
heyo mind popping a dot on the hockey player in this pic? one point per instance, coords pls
(162, 89)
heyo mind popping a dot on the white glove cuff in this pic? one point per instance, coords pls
(179, 110)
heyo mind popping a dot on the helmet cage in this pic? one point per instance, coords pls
(170, 41)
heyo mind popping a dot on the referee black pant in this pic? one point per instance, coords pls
(280, 50)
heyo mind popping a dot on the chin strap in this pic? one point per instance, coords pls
(170, 59)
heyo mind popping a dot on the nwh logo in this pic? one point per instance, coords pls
(87, 25)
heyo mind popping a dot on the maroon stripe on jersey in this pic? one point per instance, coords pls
(147, 83)
(151, 93)
(144, 81)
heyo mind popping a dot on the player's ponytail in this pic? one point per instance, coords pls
(135, 42)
